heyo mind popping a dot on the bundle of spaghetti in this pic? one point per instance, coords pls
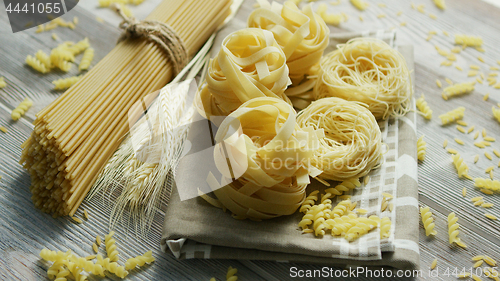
(493, 185)
(496, 113)
(467, 40)
(250, 64)
(352, 146)
(450, 116)
(264, 190)
(76, 134)
(302, 34)
(367, 70)
(457, 89)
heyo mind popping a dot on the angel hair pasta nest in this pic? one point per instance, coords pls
(352, 145)
(367, 70)
(273, 156)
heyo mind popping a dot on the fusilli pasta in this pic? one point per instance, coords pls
(2, 83)
(421, 148)
(309, 201)
(36, 64)
(470, 41)
(385, 227)
(65, 83)
(424, 108)
(21, 109)
(112, 267)
(231, 274)
(453, 115)
(139, 260)
(110, 243)
(79, 47)
(453, 230)
(342, 208)
(44, 59)
(493, 185)
(462, 168)
(457, 89)
(496, 113)
(427, 221)
(344, 187)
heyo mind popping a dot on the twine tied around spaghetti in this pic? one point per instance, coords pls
(157, 32)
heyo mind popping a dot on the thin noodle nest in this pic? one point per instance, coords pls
(352, 145)
(271, 156)
(367, 70)
(249, 65)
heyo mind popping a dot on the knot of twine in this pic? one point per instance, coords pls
(160, 33)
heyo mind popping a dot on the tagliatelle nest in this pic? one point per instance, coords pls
(352, 145)
(269, 156)
(249, 65)
(367, 70)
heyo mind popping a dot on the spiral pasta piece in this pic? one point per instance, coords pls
(352, 146)
(385, 227)
(36, 64)
(249, 65)
(421, 148)
(340, 225)
(428, 221)
(309, 201)
(61, 56)
(21, 109)
(451, 116)
(457, 90)
(87, 58)
(362, 227)
(493, 185)
(44, 59)
(302, 35)
(462, 168)
(470, 41)
(139, 260)
(55, 268)
(271, 155)
(86, 265)
(110, 243)
(453, 230)
(231, 274)
(367, 70)
(496, 113)
(80, 46)
(344, 187)
(424, 108)
(65, 83)
(112, 267)
(342, 208)
(2, 83)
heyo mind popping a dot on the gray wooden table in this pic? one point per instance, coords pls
(24, 230)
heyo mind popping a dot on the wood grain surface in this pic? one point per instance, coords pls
(24, 230)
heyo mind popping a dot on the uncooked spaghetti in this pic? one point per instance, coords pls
(370, 71)
(352, 145)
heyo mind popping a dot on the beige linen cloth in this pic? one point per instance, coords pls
(195, 229)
